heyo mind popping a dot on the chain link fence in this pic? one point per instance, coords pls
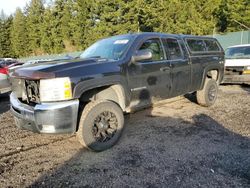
(235, 38)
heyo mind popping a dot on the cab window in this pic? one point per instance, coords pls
(154, 45)
(173, 48)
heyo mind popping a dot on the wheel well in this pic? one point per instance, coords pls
(113, 93)
(214, 74)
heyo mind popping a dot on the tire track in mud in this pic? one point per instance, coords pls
(21, 149)
(14, 141)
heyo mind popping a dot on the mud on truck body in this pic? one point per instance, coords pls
(90, 94)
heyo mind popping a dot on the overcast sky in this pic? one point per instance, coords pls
(9, 6)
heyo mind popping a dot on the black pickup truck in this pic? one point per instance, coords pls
(90, 94)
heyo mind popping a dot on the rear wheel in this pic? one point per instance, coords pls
(101, 125)
(208, 95)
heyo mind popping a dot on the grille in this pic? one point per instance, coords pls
(234, 70)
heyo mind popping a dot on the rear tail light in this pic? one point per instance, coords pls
(3, 70)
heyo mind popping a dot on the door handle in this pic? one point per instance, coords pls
(163, 69)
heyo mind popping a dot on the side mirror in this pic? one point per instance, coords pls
(141, 55)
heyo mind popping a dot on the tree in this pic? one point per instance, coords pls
(222, 15)
(84, 23)
(66, 18)
(47, 43)
(56, 29)
(107, 18)
(5, 28)
(19, 35)
(239, 11)
(68, 24)
(71, 25)
(230, 12)
(133, 16)
(35, 13)
(187, 17)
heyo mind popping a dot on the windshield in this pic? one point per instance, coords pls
(110, 48)
(238, 52)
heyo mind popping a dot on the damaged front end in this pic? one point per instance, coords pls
(32, 91)
(31, 113)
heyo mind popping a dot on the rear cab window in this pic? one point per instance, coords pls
(203, 45)
(212, 45)
(196, 45)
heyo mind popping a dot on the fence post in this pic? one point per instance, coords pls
(248, 36)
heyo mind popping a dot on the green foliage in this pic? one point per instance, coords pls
(19, 34)
(5, 42)
(47, 43)
(83, 23)
(34, 22)
(233, 15)
(71, 25)
(238, 12)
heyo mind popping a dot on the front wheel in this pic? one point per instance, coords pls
(101, 125)
(208, 95)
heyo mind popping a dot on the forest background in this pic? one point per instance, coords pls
(57, 26)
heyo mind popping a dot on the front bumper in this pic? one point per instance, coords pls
(50, 118)
(237, 79)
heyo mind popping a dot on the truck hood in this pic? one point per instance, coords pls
(237, 62)
(54, 68)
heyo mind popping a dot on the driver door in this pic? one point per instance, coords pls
(149, 80)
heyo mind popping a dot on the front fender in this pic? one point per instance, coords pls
(86, 85)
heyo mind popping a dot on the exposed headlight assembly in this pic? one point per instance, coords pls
(56, 89)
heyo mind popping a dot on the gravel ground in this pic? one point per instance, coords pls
(175, 144)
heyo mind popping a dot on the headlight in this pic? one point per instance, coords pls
(57, 89)
(246, 70)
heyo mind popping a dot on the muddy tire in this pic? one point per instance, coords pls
(100, 125)
(208, 95)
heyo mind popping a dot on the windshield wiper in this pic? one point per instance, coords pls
(95, 57)
(99, 58)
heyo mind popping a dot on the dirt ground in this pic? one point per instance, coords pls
(175, 144)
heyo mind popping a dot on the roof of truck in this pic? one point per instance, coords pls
(241, 45)
(165, 34)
